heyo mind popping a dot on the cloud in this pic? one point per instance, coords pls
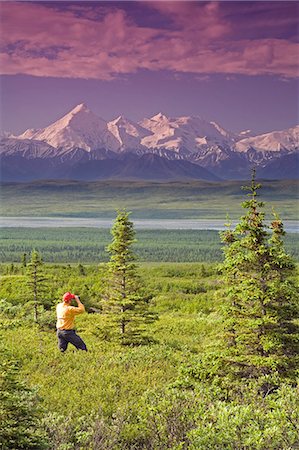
(77, 41)
(204, 19)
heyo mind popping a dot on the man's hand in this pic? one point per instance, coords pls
(80, 307)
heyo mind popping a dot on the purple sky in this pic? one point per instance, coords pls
(232, 62)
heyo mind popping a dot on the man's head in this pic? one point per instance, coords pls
(68, 297)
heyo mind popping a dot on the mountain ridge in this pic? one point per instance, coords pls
(81, 136)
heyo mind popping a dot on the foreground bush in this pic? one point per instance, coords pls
(193, 420)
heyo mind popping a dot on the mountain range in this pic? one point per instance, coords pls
(81, 145)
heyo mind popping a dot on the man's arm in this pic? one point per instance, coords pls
(80, 308)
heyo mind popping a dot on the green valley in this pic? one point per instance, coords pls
(173, 200)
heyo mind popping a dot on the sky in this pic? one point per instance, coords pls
(233, 62)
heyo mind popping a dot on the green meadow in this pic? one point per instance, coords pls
(173, 200)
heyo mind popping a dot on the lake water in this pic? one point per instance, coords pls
(291, 226)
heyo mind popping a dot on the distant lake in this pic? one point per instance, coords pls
(291, 226)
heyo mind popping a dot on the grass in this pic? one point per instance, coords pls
(118, 376)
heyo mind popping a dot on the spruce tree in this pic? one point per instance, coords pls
(19, 411)
(126, 303)
(24, 259)
(12, 269)
(81, 270)
(261, 299)
(36, 281)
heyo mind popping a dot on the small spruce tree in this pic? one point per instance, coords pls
(81, 270)
(24, 259)
(19, 411)
(262, 334)
(12, 269)
(126, 304)
(36, 281)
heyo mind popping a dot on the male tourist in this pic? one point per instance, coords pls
(66, 322)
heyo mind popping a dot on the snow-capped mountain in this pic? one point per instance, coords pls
(245, 134)
(27, 148)
(128, 134)
(81, 137)
(5, 134)
(260, 149)
(80, 128)
(183, 135)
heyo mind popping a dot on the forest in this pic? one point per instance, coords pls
(87, 245)
(194, 354)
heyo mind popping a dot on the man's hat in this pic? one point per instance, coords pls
(68, 296)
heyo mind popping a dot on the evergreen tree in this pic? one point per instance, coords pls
(36, 281)
(81, 270)
(24, 259)
(126, 302)
(19, 413)
(262, 301)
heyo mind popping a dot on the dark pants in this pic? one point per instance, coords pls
(66, 336)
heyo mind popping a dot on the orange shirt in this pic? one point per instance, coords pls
(66, 315)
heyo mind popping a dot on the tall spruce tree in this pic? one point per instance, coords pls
(262, 305)
(126, 303)
(36, 281)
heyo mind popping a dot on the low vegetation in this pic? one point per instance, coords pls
(172, 200)
(219, 372)
(145, 396)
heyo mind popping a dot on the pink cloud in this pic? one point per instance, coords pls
(205, 19)
(102, 43)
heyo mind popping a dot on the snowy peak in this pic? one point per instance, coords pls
(202, 128)
(120, 120)
(80, 128)
(78, 108)
(127, 133)
(245, 134)
(80, 118)
(80, 135)
(160, 117)
(6, 134)
(123, 122)
(225, 133)
(276, 141)
(259, 150)
(184, 134)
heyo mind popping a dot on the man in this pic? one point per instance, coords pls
(66, 323)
